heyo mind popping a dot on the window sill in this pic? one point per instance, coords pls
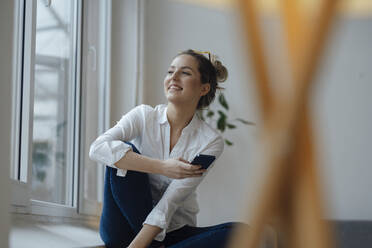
(48, 231)
(40, 208)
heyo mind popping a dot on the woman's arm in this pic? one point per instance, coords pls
(110, 149)
(145, 236)
(173, 168)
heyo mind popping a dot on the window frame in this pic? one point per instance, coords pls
(22, 112)
(100, 52)
(22, 93)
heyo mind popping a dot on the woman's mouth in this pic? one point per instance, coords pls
(174, 87)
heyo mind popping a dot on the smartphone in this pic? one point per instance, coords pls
(204, 160)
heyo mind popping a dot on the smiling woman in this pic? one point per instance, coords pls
(182, 82)
(208, 71)
(151, 195)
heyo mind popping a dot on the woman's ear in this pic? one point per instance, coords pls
(205, 89)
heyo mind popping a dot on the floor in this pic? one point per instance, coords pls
(348, 234)
(353, 234)
(53, 235)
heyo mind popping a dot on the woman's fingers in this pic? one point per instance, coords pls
(195, 167)
(190, 166)
(183, 160)
(188, 176)
(188, 170)
(193, 172)
(197, 173)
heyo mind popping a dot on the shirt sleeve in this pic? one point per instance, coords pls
(178, 191)
(109, 147)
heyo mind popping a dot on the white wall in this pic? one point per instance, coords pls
(6, 38)
(342, 106)
(343, 114)
(124, 57)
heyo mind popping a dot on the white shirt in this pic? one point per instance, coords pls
(174, 200)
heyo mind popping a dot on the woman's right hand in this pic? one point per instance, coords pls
(180, 168)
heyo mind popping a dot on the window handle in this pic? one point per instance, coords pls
(93, 50)
(48, 3)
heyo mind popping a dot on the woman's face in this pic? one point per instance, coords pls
(182, 84)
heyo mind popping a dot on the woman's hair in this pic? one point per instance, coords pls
(212, 71)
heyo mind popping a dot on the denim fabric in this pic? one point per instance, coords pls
(128, 201)
(200, 237)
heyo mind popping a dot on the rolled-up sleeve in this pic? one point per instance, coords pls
(110, 147)
(178, 191)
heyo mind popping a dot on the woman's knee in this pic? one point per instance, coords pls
(233, 224)
(112, 240)
(238, 224)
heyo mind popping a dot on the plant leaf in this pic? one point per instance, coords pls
(246, 122)
(230, 126)
(221, 124)
(228, 142)
(223, 101)
(210, 113)
(222, 114)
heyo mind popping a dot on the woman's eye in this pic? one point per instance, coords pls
(170, 72)
(186, 73)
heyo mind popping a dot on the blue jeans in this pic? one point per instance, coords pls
(128, 201)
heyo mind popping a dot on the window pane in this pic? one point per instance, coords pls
(53, 99)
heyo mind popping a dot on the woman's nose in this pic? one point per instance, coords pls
(175, 75)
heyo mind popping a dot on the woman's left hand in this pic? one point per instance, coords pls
(180, 168)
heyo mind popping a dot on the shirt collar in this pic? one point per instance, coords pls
(163, 115)
(194, 123)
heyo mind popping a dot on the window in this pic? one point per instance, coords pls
(56, 114)
(55, 84)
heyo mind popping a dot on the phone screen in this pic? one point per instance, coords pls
(204, 160)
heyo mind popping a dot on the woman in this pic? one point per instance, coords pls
(149, 196)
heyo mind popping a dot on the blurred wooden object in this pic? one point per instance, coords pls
(290, 200)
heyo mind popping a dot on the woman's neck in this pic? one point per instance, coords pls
(179, 117)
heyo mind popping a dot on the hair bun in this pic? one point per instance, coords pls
(221, 71)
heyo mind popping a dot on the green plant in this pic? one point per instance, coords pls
(40, 159)
(222, 122)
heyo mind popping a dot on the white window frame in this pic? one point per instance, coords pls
(23, 67)
(99, 52)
